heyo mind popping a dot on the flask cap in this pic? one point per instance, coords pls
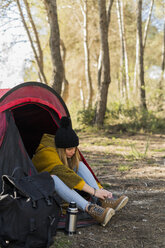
(72, 205)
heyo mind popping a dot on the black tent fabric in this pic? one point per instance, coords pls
(14, 160)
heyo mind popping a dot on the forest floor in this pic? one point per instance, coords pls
(130, 164)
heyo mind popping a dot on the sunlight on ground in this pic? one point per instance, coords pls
(148, 172)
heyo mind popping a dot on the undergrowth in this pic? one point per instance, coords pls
(123, 119)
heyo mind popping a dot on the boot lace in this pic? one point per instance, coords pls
(96, 210)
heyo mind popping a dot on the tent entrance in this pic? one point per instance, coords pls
(32, 121)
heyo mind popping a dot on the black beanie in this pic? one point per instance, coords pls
(65, 136)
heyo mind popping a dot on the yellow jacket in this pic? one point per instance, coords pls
(46, 159)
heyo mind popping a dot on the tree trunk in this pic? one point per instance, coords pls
(147, 24)
(141, 54)
(100, 55)
(35, 32)
(124, 74)
(125, 55)
(37, 58)
(82, 94)
(84, 10)
(105, 62)
(109, 12)
(161, 97)
(58, 70)
(65, 91)
(135, 84)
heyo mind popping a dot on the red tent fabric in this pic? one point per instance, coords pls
(32, 92)
(3, 91)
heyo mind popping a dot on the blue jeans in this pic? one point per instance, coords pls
(68, 194)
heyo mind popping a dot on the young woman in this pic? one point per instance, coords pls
(59, 156)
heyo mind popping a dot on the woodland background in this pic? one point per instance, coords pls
(107, 61)
(105, 58)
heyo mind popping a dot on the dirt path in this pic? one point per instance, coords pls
(131, 165)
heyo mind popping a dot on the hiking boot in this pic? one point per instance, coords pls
(100, 214)
(115, 204)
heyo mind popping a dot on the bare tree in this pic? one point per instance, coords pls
(104, 73)
(147, 24)
(109, 12)
(65, 90)
(37, 54)
(40, 53)
(4, 4)
(141, 56)
(161, 97)
(84, 9)
(135, 86)
(100, 55)
(124, 73)
(58, 69)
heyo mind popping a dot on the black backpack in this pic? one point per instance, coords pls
(29, 211)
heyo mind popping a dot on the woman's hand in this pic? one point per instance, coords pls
(103, 194)
(99, 193)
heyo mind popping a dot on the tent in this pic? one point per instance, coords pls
(26, 112)
(36, 109)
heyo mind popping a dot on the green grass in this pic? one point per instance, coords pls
(107, 141)
(159, 150)
(137, 154)
(62, 242)
(124, 167)
(114, 141)
(106, 185)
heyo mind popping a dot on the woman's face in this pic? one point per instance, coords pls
(70, 152)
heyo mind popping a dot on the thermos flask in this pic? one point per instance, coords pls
(71, 219)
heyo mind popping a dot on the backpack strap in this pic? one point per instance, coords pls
(50, 231)
(49, 234)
